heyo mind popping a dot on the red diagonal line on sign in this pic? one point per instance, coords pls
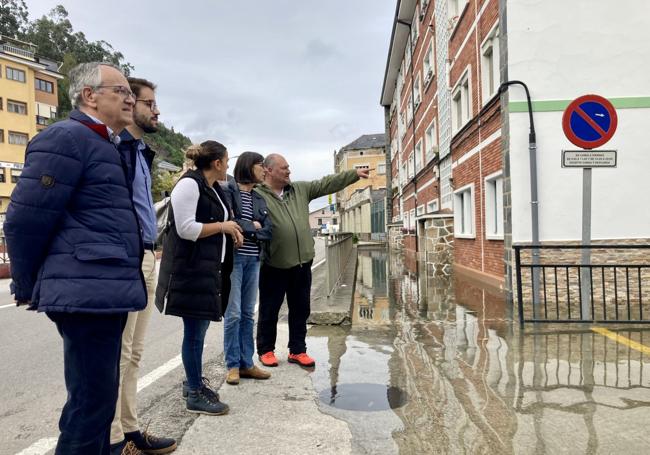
(590, 121)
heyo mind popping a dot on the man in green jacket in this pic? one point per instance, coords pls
(286, 269)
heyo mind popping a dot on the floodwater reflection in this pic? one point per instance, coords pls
(470, 381)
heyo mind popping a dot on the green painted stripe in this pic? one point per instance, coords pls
(559, 105)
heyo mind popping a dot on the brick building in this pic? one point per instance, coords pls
(460, 176)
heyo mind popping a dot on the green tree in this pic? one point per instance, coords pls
(162, 183)
(13, 18)
(169, 144)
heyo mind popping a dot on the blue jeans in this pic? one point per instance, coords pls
(239, 318)
(192, 351)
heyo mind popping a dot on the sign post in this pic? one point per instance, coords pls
(588, 122)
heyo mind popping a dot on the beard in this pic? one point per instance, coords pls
(144, 123)
(147, 128)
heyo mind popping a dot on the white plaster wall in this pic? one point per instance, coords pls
(562, 50)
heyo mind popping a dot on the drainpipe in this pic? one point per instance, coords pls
(415, 182)
(534, 202)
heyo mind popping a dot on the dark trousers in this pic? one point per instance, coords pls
(275, 283)
(91, 357)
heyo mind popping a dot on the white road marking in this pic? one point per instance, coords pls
(44, 445)
(7, 306)
(159, 372)
(40, 447)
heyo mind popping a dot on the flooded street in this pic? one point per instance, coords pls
(435, 365)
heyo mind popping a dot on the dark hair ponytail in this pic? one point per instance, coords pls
(205, 153)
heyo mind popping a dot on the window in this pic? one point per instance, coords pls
(464, 212)
(0, 104)
(362, 166)
(320, 221)
(15, 74)
(2, 175)
(420, 210)
(423, 9)
(40, 120)
(409, 167)
(417, 93)
(455, 9)
(18, 138)
(446, 195)
(428, 65)
(412, 219)
(44, 86)
(418, 156)
(414, 28)
(431, 142)
(15, 175)
(494, 207)
(2, 136)
(460, 103)
(381, 168)
(17, 107)
(432, 206)
(402, 174)
(490, 72)
(335, 221)
(409, 111)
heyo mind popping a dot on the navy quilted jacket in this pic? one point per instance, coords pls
(72, 232)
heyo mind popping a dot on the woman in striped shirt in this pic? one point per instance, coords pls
(251, 213)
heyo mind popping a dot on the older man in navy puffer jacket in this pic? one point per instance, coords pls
(75, 248)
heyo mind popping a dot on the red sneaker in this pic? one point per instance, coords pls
(302, 359)
(268, 359)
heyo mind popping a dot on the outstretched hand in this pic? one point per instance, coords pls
(363, 173)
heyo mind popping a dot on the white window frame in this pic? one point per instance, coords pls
(428, 65)
(494, 206)
(419, 164)
(15, 74)
(415, 29)
(13, 135)
(420, 210)
(381, 168)
(412, 222)
(409, 111)
(464, 219)
(432, 206)
(461, 102)
(19, 105)
(430, 142)
(490, 65)
(455, 9)
(362, 166)
(417, 92)
(403, 175)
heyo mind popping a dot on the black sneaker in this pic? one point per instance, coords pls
(149, 443)
(201, 403)
(205, 386)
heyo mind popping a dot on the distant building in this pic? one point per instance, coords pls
(324, 220)
(28, 103)
(363, 201)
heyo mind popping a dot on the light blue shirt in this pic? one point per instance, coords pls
(142, 197)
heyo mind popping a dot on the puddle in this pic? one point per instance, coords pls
(363, 397)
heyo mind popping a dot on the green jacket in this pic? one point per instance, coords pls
(292, 243)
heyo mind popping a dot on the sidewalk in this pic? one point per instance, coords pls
(276, 416)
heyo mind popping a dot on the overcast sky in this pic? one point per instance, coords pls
(298, 77)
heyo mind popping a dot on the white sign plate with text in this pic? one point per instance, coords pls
(589, 158)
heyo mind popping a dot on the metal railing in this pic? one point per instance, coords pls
(337, 253)
(28, 53)
(559, 287)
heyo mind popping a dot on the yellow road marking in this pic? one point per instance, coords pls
(621, 339)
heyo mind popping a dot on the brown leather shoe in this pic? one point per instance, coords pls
(255, 373)
(233, 376)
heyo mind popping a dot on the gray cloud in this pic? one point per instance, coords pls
(300, 78)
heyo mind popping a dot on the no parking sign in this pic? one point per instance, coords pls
(589, 121)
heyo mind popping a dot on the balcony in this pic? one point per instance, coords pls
(15, 50)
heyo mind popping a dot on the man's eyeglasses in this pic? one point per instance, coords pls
(151, 104)
(119, 89)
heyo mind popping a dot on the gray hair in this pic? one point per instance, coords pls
(85, 75)
(270, 160)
